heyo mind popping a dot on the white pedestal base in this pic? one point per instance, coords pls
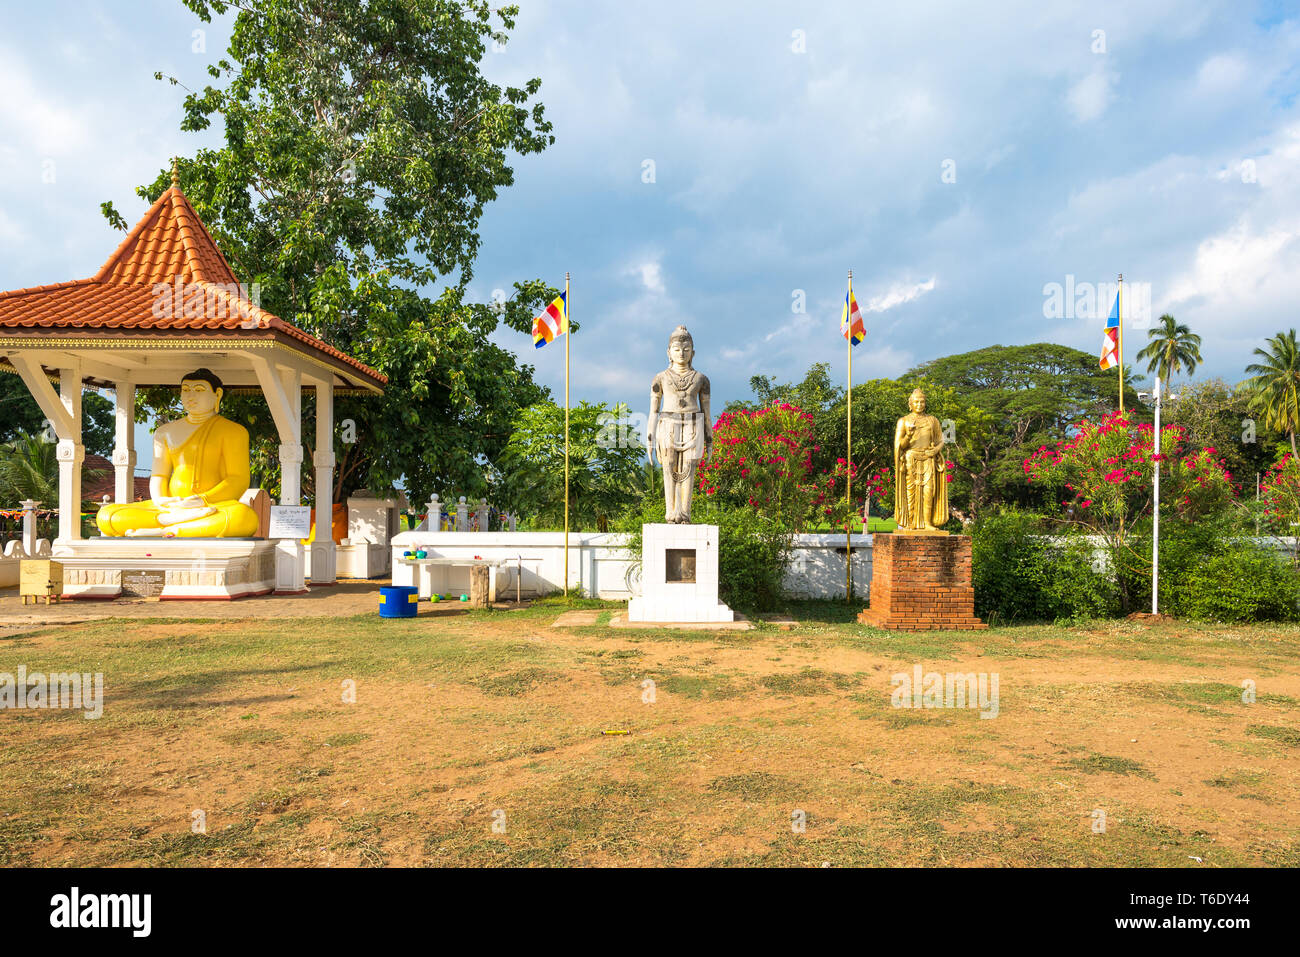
(322, 563)
(362, 560)
(190, 568)
(666, 595)
(290, 567)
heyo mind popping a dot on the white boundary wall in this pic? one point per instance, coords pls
(600, 565)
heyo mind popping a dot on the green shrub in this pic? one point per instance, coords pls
(1074, 586)
(1242, 582)
(1020, 574)
(752, 555)
(1211, 570)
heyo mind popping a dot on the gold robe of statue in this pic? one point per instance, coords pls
(920, 470)
(200, 471)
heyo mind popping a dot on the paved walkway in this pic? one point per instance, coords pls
(342, 600)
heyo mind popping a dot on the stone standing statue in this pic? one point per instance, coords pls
(920, 471)
(681, 429)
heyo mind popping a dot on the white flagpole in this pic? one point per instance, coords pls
(567, 336)
(848, 479)
(1155, 519)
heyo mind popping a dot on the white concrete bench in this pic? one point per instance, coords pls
(424, 572)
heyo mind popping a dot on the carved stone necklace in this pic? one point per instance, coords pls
(681, 383)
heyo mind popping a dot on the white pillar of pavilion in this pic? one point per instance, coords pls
(324, 558)
(71, 453)
(124, 448)
(62, 409)
(282, 387)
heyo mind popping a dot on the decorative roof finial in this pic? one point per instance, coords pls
(176, 172)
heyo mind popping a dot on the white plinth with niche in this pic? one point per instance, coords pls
(679, 576)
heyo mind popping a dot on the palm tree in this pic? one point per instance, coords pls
(1173, 348)
(1274, 387)
(29, 468)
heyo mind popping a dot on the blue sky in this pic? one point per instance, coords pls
(958, 158)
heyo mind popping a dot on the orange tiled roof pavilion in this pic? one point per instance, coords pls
(165, 303)
(170, 244)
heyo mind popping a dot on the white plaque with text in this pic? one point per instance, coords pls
(289, 521)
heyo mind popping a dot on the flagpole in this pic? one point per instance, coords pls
(567, 336)
(848, 458)
(1119, 312)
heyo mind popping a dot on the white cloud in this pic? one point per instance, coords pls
(897, 294)
(1234, 265)
(652, 277)
(1089, 97)
(1221, 73)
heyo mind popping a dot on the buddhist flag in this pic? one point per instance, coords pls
(554, 321)
(1110, 344)
(852, 327)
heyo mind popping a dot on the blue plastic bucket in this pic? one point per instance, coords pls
(398, 601)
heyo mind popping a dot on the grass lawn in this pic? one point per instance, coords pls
(463, 719)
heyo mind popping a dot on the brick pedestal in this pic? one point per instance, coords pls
(921, 583)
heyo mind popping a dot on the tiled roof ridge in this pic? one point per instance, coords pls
(30, 290)
(125, 277)
(132, 238)
(184, 212)
(200, 257)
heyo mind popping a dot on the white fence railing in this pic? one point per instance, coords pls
(12, 556)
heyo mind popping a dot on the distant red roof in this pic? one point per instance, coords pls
(94, 489)
(168, 244)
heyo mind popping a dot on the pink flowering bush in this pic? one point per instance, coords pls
(1279, 493)
(762, 460)
(1102, 475)
(879, 486)
(1100, 482)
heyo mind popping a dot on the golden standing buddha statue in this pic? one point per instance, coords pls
(200, 470)
(920, 471)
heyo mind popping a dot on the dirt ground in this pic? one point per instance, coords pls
(343, 599)
(482, 738)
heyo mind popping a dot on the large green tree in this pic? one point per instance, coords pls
(606, 466)
(1216, 416)
(361, 144)
(1031, 394)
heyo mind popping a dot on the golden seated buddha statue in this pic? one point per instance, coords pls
(200, 470)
